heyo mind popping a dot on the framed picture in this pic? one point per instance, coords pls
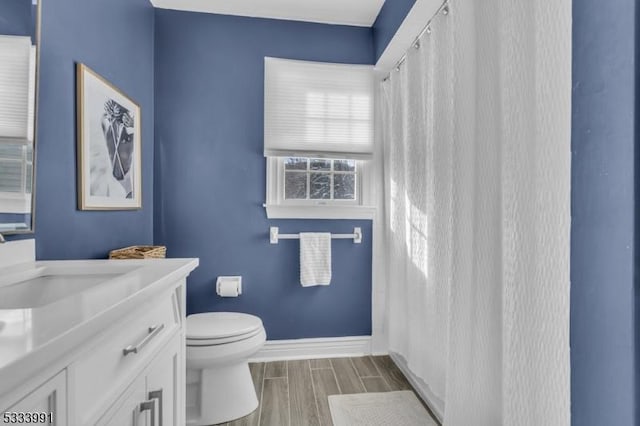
(109, 145)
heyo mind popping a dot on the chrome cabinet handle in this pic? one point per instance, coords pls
(157, 395)
(153, 332)
(142, 407)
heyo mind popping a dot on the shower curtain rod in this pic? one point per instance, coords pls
(444, 8)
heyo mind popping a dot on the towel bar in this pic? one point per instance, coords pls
(274, 235)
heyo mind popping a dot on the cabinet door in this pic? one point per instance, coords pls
(131, 409)
(164, 384)
(45, 405)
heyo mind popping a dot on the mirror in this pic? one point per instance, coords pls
(19, 37)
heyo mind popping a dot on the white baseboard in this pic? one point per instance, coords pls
(434, 403)
(325, 347)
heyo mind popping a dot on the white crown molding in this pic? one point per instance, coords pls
(361, 13)
(326, 347)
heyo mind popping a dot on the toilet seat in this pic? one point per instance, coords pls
(223, 340)
(219, 328)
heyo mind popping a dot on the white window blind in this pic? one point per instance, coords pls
(315, 109)
(17, 88)
(16, 168)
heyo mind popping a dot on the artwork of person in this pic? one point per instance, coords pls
(113, 155)
(118, 129)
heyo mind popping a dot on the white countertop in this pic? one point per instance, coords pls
(31, 339)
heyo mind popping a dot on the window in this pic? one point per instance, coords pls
(319, 180)
(318, 188)
(17, 86)
(318, 139)
(16, 171)
(17, 108)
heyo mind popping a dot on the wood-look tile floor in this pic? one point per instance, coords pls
(295, 393)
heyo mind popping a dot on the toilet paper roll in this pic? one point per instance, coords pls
(229, 286)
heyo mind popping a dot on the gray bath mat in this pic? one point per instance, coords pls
(400, 408)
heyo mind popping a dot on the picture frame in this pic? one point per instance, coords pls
(109, 145)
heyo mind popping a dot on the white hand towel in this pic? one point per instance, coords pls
(315, 258)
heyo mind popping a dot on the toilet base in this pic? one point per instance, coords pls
(226, 393)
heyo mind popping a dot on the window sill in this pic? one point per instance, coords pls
(319, 212)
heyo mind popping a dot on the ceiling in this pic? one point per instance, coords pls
(360, 13)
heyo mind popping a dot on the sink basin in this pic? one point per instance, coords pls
(43, 286)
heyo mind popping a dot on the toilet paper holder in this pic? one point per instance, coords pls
(229, 286)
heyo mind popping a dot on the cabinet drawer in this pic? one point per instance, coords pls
(104, 370)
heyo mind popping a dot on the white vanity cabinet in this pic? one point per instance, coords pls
(135, 371)
(45, 405)
(153, 399)
(126, 366)
(126, 411)
(166, 383)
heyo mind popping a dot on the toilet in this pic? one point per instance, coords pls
(219, 384)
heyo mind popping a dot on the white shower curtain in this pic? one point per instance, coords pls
(477, 201)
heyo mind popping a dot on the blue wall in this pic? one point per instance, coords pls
(602, 234)
(115, 38)
(387, 23)
(210, 172)
(16, 17)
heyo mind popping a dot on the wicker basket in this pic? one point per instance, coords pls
(139, 252)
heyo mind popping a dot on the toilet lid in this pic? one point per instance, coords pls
(219, 325)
